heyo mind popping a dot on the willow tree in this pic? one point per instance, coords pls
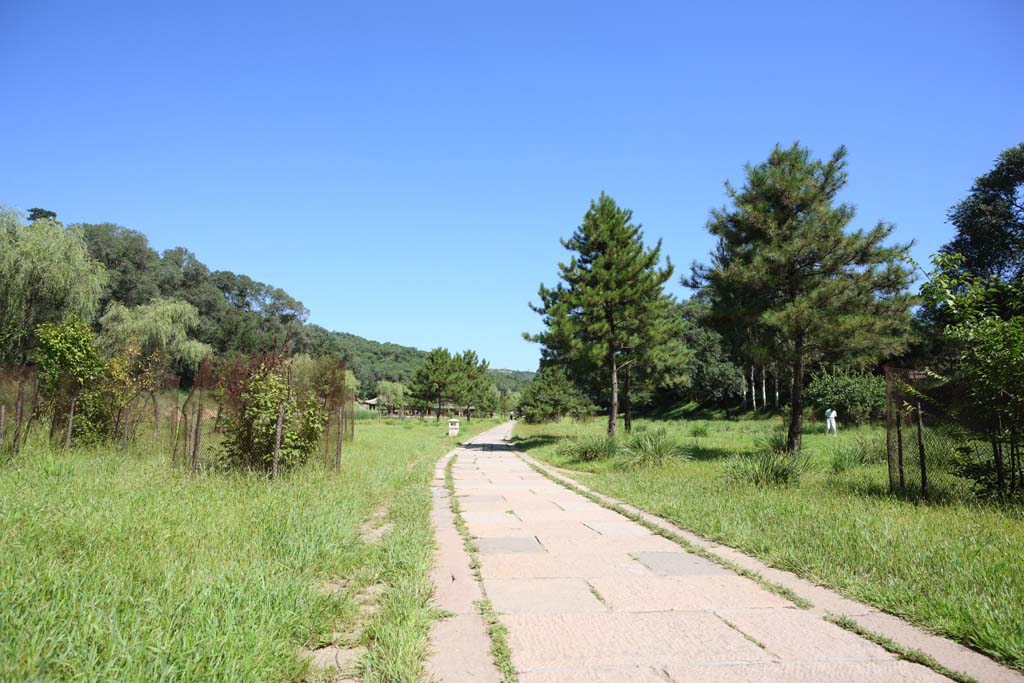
(607, 310)
(46, 276)
(785, 261)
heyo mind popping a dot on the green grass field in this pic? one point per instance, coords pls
(955, 567)
(118, 568)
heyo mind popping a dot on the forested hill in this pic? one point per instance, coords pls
(240, 315)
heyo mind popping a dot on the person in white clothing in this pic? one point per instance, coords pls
(830, 422)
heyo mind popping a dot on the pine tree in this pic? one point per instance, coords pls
(784, 261)
(433, 382)
(605, 308)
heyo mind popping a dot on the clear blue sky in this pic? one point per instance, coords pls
(406, 170)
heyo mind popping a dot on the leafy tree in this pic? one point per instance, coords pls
(72, 369)
(132, 265)
(990, 222)
(785, 261)
(434, 381)
(856, 396)
(160, 328)
(37, 214)
(251, 428)
(551, 396)
(46, 275)
(987, 330)
(391, 395)
(601, 314)
(711, 376)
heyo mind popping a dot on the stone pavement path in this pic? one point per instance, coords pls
(589, 595)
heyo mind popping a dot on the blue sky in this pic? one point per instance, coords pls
(406, 170)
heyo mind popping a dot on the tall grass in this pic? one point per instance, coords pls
(115, 567)
(954, 567)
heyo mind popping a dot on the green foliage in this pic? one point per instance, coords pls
(786, 268)
(711, 377)
(132, 266)
(434, 381)
(699, 430)
(552, 396)
(46, 275)
(990, 222)
(856, 396)
(71, 368)
(250, 435)
(590, 447)
(652, 447)
(610, 310)
(161, 329)
(391, 395)
(765, 467)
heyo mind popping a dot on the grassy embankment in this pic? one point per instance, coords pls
(954, 567)
(117, 568)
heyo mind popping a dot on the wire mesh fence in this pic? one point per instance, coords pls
(942, 441)
(265, 412)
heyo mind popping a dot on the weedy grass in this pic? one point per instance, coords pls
(953, 567)
(116, 567)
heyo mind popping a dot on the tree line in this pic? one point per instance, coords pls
(792, 291)
(108, 264)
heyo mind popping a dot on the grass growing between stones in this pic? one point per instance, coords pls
(952, 567)
(117, 568)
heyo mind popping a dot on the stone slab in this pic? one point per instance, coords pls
(516, 596)
(562, 565)
(617, 528)
(542, 641)
(619, 674)
(681, 593)
(461, 651)
(508, 544)
(813, 672)
(678, 563)
(793, 634)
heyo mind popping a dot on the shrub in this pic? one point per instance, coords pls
(844, 455)
(250, 433)
(589, 447)
(551, 396)
(647, 448)
(768, 465)
(856, 396)
(699, 430)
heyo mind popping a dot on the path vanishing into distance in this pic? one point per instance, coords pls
(588, 595)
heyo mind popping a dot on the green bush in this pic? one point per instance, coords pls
(649, 448)
(768, 465)
(843, 455)
(250, 434)
(856, 396)
(589, 447)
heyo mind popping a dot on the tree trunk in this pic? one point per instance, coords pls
(628, 402)
(341, 429)
(764, 389)
(437, 418)
(775, 382)
(794, 440)
(753, 390)
(613, 409)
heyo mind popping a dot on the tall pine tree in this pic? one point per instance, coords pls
(785, 263)
(605, 310)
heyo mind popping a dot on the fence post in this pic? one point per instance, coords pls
(920, 450)
(341, 428)
(71, 424)
(19, 413)
(3, 423)
(899, 447)
(197, 429)
(277, 440)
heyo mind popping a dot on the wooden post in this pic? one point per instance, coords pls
(341, 432)
(19, 414)
(71, 424)
(899, 445)
(920, 451)
(197, 435)
(3, 423)
(277, 440)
